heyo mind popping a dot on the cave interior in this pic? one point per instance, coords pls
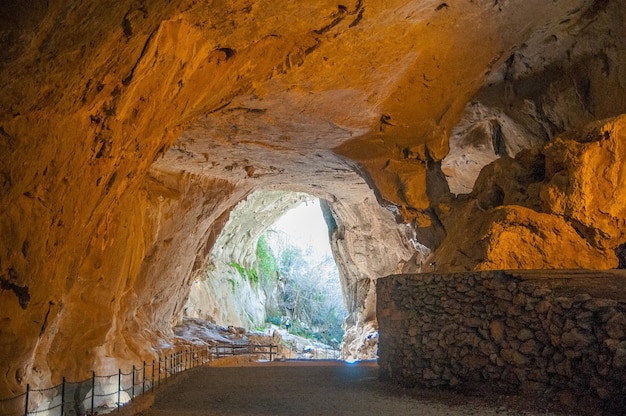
(441, 138)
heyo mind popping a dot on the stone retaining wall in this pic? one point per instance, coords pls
(557, 334)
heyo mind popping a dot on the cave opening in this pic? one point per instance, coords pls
(307, 294)
(272, 271)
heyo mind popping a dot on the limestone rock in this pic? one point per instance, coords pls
(129, 131)
(517, 232)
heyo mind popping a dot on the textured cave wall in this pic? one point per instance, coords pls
(559, 206)
(103, 228)
(539, 208)
(367, 244)
(220, 294)
(360, 234)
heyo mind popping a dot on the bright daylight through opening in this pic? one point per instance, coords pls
(271, 273)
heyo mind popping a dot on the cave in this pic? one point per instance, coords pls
(272, 262)
(444, 138)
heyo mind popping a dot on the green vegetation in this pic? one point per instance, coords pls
(268, 267)
(246, 274)
(232, 284)
(298, 288)
(305, 290)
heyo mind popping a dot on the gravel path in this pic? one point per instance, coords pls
(310, 388)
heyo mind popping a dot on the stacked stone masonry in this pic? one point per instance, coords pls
(560, 335)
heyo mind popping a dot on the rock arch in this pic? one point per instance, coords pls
(129, 130)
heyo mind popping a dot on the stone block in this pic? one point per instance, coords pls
(598, 304)
(496, 329)
(487, 348)
(514, 310)
(462, 288)
(525, 334)
(531, 348)
(569, 325)
(474, 322)
(429, 374)
(616, 326)
(503, 294)
(543, 307)
(538, 374)
(514, 357)
(577, 339)
(541, 292)
(619, 359)
(565, 303)
(474, 362)
(564, 369)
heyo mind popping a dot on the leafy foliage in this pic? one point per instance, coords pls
(268, 268)
(246, 274)
(303, 288)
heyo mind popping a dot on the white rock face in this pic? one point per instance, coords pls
(220, 293)
(482, 136)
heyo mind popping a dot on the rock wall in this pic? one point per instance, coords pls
(129, 130)
(367, 243)
(556, 206)
(220, 294)
(558, 335)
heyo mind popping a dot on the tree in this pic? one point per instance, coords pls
(305, 289)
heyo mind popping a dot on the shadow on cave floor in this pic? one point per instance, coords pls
(305, 388)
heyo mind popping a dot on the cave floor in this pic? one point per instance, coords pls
(313, 388)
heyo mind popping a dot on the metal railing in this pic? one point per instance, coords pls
(102, 394)
(230, 349)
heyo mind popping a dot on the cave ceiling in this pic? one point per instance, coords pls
(129, 130)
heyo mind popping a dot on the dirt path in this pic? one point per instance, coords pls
(302, 389)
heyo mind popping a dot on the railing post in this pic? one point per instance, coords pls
(152, 380)
(132, 389)
(26, 402)
(159, 372)
(93, 389)
(62, 396)
(143, 379)
(119, 386)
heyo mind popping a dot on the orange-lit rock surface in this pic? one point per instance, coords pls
(559, 206)
(129, 130)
